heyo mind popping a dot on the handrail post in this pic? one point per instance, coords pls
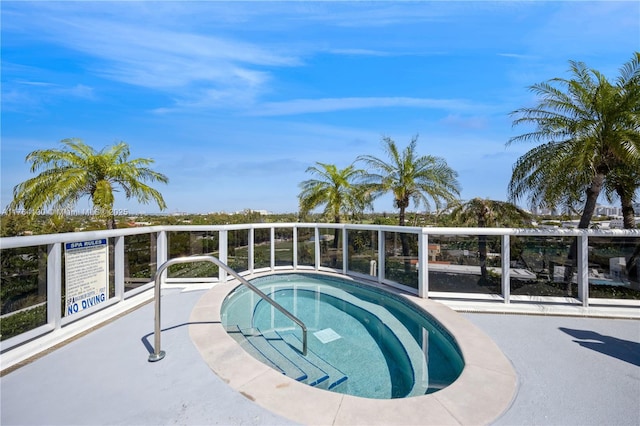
(157, 354)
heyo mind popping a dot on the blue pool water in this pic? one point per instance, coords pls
(362, 340)
(596, 281)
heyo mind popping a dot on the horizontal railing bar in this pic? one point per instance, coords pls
(34, 240)
(25, 309)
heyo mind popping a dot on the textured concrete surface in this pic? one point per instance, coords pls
(104, 378)
(570, 371)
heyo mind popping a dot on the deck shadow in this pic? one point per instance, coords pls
(147, 344)
(624, 350)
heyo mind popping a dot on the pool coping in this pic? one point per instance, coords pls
(485, 389)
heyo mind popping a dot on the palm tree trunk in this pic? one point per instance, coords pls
(593, 192)
(403, 236)
(628, 219)
(633, 268)
(482, 249)
(336, 232)
(626, 201)
(111, 222)
(404, 243)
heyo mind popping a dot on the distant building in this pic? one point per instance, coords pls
(616, 223)
(600, 210)
(544, 211)
(608, 211)
(617, 268)
(434, 251)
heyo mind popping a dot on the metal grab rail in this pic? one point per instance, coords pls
(158, 354)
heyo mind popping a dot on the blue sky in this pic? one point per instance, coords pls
(234, 100)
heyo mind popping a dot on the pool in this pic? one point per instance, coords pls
(485, 388)
(363, 341)
(609, 282)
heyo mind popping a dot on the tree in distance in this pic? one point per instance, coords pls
(77, 170)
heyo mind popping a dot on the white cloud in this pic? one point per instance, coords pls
(360, 52)
(195, 68)
(78, 91)
(457, 121)
(517, 56)
(32, 96)
(306, 106)
(166, 59)
(35, 83)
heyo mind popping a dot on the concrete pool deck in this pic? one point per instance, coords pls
(483, 391)
(568, 370)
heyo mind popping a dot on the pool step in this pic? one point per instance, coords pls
(336, 377)
(282, 352)
(315, 375)
(252, 341)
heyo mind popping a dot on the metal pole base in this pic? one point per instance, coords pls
(156, 357)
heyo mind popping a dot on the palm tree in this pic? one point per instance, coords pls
(339, 190)
(77, 170)
(483, 213)
(589, 127)
(410, 177)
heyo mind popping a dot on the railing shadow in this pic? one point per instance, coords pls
(624, 350)
(147, 344)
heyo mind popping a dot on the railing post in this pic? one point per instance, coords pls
(118, 266)
(272, 248)
(506, 274)
(583, 268)
(54, 285)
(294, 231)
(345, 254)
(381, 255)
(223, 249)
(423, 264)
(316, 247)
(162, 249)
(251, 249)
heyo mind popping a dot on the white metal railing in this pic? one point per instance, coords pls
(56, 318)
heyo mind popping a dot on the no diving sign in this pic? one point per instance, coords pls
(86, 274)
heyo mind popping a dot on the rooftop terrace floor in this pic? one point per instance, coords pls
(570, 371)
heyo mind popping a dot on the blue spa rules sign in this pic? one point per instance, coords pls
(86, 274)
